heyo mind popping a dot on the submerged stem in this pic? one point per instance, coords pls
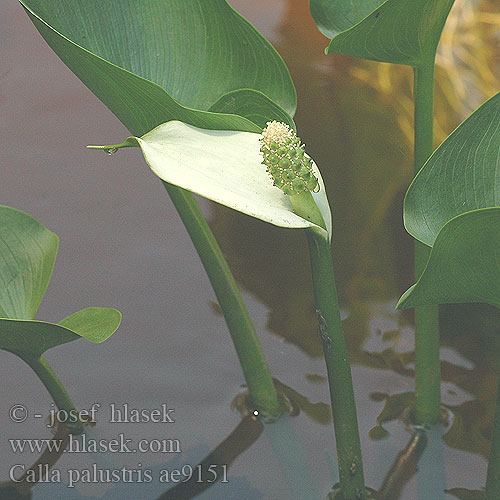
(56, 389)
(427, 364)
(253, 363)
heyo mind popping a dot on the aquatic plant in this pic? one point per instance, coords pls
(452, 206)
(399, 32)
(136, 73)
(28, 251)
(220, 125)
(270, 177)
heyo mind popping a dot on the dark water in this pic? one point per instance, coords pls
(123, 245)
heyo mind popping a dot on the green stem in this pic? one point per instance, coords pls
(352, 483)
(345, 419)
(493, 476)
(255, 369)
(427, 364)
(56, 389)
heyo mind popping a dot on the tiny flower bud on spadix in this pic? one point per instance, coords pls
(285, 159)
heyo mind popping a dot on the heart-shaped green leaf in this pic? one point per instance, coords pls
(27, 256)
(223, 166)
(151, 62)
(453, 205)
(464, 265)
(33, 338)
(396, 31)
(462, 175)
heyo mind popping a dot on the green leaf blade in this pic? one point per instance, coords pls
(462, 175)
(96, 324)
(453, 206)
(173, 61)
(27, 256)
(395, 31)
(464, 265)
(33, 338)
(253, 105)
(334, 16)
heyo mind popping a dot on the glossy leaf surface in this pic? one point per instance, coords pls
(27, 256)
(151, 62)
(453, 205)
(396, 31)
(223, 166)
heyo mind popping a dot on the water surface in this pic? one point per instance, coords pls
(123, 245)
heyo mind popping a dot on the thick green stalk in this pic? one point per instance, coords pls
(255, 369)
(427, 364)
(493, 476)
(345, 419)
(352, 483)
(56, 389)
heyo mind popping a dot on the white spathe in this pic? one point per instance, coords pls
(225, 167)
